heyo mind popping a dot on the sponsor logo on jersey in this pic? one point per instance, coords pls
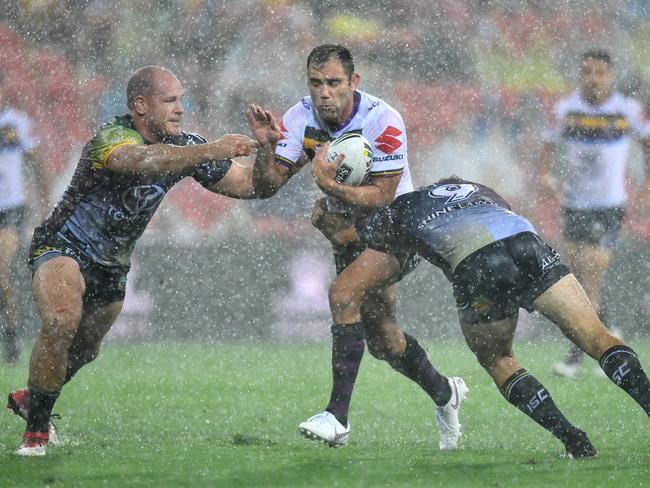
(588, 127)
(142, 199)
(451, 208)
(390, 157)
(388, 141)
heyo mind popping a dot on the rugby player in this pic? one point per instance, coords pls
(336, 106)
(19, 146)
(595, 124)
(80, 255)
(496, 264)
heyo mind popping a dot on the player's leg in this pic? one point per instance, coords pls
(491, 342)
(58, 288)
(567, 305)
(9, 242)
(95, 324)
(590, 237)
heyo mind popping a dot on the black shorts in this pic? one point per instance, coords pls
(12, 217)
(598, 226)
(104, 284)
(344, 255)
(495, 281)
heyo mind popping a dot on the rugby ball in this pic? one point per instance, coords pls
(355, 168)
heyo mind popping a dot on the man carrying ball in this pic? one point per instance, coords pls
(335, 106)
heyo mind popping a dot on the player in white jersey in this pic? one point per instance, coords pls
(595, 124)
(18, 147)
(336, 106)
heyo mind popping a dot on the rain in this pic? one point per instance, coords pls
(477, 84)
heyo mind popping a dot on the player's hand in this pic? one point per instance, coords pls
(263, 125)
(233, 145)
(331, 225)
(324, 171)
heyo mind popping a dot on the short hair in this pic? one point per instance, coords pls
(598, 54)
(451, 179)
(140, 82)
(323, 53)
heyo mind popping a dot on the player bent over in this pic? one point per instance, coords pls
(80, 255)
(496, 264)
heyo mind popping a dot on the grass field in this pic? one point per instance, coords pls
(226, 415)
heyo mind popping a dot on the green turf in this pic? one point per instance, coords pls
(226, 415)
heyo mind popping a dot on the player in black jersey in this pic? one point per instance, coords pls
(496, 264)
(80, 255)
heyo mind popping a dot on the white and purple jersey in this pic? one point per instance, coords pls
(304, 130)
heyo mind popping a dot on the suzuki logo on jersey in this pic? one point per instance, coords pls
(388, 141)
(536, 400)
(620, 373)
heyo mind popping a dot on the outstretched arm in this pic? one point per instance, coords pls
(156, 159)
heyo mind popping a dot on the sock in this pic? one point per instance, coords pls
(415, 365)
(527, 394)
(40, 409)
(348, 345)
(622, 366)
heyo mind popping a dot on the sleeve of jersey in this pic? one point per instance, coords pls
(289, 148)
(389, 151)
(210, 173)
(377, 230)
(108, 140)
(639, 120)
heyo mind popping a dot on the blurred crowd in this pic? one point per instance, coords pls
(473, 79)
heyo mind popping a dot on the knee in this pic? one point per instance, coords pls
(341, 296)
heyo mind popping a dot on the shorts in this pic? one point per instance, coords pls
(12, 217)
(495, 281)
(104, 284)
(344, 255)
(595, 226)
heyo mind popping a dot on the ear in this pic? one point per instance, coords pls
(140, 105)
(355, 80)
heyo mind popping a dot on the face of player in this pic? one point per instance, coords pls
(332, 91)
(164, 110)
(596, 80)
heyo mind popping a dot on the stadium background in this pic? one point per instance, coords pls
(474, 81)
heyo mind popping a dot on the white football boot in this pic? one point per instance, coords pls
(325, 428)
(567, 370)
(447, 416)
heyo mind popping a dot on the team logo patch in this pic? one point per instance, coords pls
(388, 141)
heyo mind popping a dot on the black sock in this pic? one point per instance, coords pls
(415, 365)
(348, 345)
(622, 366)
(527, 394)
(40, 409)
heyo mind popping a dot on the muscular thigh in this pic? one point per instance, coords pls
(58, 287)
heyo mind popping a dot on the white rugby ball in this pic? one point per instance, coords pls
(355, 168)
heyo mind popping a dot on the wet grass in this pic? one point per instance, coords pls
(226, 415)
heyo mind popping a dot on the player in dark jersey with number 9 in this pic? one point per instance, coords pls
(496, 264)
